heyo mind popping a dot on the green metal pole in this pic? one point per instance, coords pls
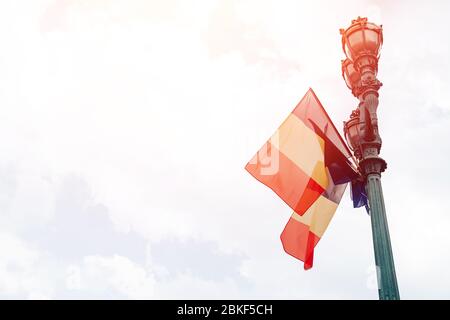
(384, 260)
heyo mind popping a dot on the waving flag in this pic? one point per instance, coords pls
(307, 164)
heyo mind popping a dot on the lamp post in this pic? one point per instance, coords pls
(361, 43)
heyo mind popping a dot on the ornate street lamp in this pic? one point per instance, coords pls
(361, 43)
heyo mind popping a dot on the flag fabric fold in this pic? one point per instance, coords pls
(308, 165)
(358, 194)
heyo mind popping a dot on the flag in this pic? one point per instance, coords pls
(358, 194)
(307, 164)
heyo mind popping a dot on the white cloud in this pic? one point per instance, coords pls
(157, 107)
(106, 277)
(21, 273)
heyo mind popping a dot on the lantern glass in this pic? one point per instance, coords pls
(347, 81)
(356, 43)
(352, 133)
(353, 136)
(347, 138)
(351, 76)
(373, 41)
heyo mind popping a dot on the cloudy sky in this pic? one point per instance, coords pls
(125, 126)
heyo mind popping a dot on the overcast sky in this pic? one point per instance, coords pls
(125, 126)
